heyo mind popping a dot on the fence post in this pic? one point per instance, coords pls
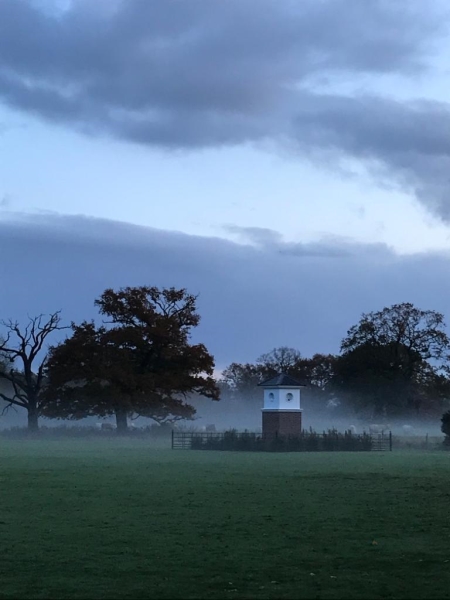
(390, 441)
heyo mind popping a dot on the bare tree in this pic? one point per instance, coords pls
(280, 359)
(25, 346)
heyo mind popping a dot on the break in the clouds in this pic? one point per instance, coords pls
(252, 297)
(189, 75)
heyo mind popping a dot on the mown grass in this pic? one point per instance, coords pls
(122, 519)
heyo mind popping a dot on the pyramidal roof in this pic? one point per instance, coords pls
(281, 380)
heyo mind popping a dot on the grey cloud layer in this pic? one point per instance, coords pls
(250, 298)
(200, 73)
(330, 246)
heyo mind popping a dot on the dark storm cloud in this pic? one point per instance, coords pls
(196, 74)
(403, 143)
(251, 298)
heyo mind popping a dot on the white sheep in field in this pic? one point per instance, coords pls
(407, 429)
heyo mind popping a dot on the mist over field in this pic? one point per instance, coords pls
(243, 415)
(239, 415)
(225, 299)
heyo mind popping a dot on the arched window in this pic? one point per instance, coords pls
(289, 396)
(271, 397)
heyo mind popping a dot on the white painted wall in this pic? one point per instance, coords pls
(282, 398)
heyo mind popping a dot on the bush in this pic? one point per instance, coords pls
(445, 427)
(306, 441)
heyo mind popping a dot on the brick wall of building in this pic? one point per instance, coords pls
(281, 423)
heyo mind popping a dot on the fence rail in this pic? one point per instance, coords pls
(183, 440)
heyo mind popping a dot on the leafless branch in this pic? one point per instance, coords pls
(25, 343)
(11, 401)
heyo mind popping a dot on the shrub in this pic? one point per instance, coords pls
(445, 427)
(306, 441)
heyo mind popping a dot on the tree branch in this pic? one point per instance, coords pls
(12, 401)
(29, 342)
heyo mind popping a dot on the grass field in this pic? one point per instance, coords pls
(126, 520)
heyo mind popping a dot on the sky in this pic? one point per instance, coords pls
(286, 161)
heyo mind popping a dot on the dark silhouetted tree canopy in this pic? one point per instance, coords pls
(418, 332)
(139, 362)
(280, 360)
(393, 361)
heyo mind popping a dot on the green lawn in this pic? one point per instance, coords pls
(83, 519)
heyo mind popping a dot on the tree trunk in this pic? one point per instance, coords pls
(121, 421)
(33, 420)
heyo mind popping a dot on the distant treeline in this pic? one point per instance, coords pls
(140, 362)
(393, 363)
